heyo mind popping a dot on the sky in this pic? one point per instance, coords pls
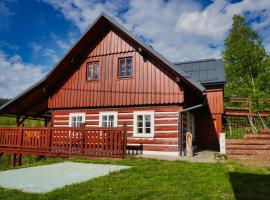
(35, 34)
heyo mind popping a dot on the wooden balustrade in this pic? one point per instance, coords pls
(64, 141)
(247, 106)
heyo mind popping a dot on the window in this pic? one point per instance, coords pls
(76, 119)
(125, 67)
(92, 71)
(108, 119)
(143, 124)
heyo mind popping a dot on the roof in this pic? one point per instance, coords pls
(208, 71)
(40, 90)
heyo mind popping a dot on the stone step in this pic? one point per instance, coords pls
(247, 142)
(257, 136)
(249, 146)
(261, 152)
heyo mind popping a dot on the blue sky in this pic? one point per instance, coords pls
(34, 34)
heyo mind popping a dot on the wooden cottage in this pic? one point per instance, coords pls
(110, 77)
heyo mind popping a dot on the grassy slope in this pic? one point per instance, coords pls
(154, 179)
(11, 121)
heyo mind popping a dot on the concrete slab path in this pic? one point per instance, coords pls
(201, 156)
(46, 178)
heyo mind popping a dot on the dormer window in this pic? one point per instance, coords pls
(92, 71)
(125, 67)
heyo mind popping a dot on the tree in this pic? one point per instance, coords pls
(247, 65)
(3, 101)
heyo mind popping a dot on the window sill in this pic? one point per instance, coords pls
(142, 138)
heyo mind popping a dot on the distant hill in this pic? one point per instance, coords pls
(3, 101)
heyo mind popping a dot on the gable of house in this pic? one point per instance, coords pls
(148, 83)
(43, 95)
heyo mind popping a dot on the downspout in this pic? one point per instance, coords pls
(180, 133)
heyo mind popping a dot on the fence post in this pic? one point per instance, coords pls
(20, 136)
(250, 106)
(20, 141)
(49, 136)
(14, 160)
(82, 137)
(124, 139)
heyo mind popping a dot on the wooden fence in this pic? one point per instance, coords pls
(64, 141)
(247, 106)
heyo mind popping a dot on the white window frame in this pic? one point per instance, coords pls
(76, 115)
(152, 124)
(115, 114)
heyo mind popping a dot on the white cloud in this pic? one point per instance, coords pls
(51, 54)
(216, 19)
(8, 45)
(4, 15)
(40, 51)
(16, 75)
(81, 13)
(180, 30)
(35, 47)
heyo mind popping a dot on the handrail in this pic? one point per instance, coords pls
(88, 140)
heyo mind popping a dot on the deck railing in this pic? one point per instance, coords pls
(65, 141)
(247, 106)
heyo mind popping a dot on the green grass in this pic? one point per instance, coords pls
(11, 121)
(155, 179)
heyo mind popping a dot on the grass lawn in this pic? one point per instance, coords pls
(11, 121)
(155, 179)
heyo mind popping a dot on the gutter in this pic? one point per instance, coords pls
(180, 133)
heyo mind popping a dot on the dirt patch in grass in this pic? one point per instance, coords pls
(252, 161)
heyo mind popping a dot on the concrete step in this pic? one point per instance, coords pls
(247, 142)
(261, 152)
(257, 136)
(249, 146)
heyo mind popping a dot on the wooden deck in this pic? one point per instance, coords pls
(64, 141)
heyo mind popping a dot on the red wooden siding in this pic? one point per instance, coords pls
(215, 99)
(165, 129)
(208, 121)
(206, 133)
(148, 84)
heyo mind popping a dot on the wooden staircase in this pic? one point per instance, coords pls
(251, 145)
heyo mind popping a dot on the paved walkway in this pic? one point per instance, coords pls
(46, 178)
(201, 156)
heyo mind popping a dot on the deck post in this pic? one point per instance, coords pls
(124, 139)
(82, 137)
(20, 137)
(49, 136)
(19, 161)
(45, 122)
(14, 160)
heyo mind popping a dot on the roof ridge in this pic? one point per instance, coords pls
(195, 61)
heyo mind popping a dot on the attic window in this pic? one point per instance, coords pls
(125, 67)
(92, 71)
